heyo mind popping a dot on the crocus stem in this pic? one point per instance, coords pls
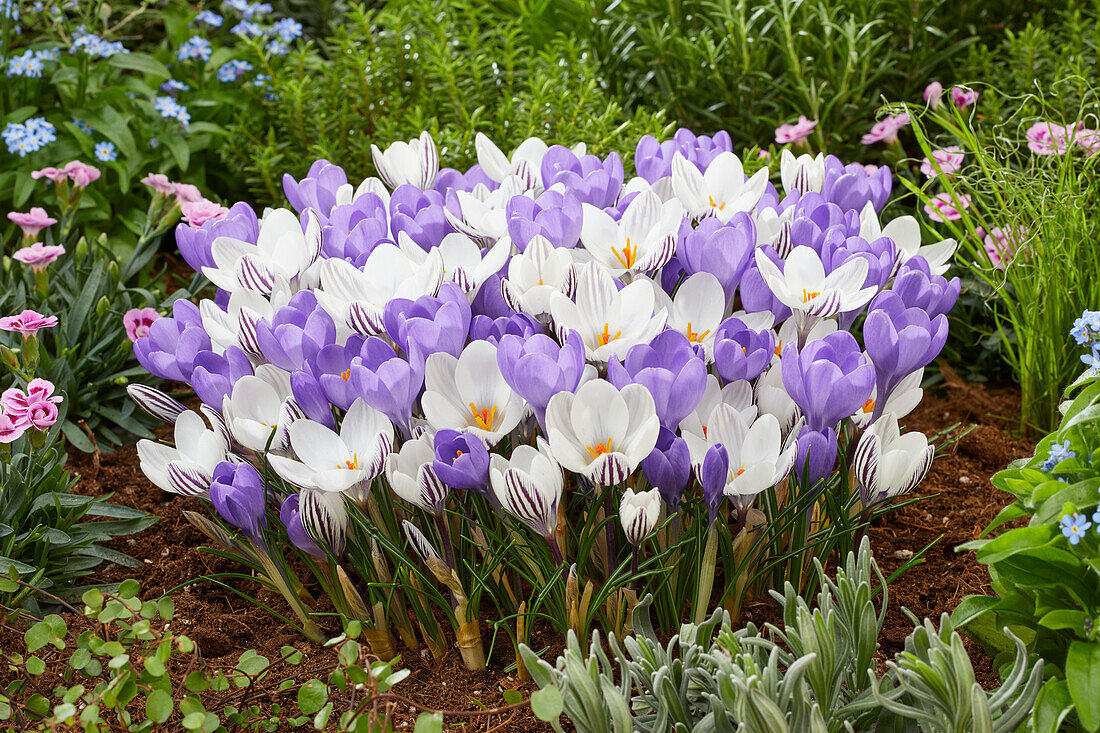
(445, 538)
(556, 552)
(706, 574)
(609, 531)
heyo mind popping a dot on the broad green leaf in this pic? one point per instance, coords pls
(971, 608)
(1014, 541)
(1052, 706)
(1083, 680)
(1064, 618)
(429, 723)
(144, 63)
(312, 696)
(158, 706)
(546, 703)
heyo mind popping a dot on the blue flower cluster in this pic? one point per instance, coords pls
(105, 151)
(248, 29)
(1086, 331)
(27, 137)
(233, 70)
(1058, 453)
(195, 47)
(208, 17)
(10, 9)
(83, 126)
(172, 87)
(287, 29)
(27, 64)
(256, 10)
(170, 109)
(93, 45)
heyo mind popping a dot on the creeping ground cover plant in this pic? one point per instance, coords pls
(1046, 575)
(545, 386)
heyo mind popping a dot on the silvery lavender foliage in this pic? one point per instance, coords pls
(815, 674)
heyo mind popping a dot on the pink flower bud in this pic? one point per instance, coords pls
(933, 94)
(159, 183)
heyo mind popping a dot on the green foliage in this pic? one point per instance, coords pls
(816, 674)
(1047, 588)
(1045, 205)
(48, 534)
(113, 671)
(453, 68)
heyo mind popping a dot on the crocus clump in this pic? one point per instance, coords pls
(516, 341)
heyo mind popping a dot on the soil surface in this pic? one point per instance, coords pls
(959, 502)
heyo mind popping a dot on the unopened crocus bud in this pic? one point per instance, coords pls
(638, 514)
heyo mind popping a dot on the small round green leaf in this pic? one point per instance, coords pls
(546, 704)
(429, 723)
(35, 666)
(312, 696)
(128, 588)
(158, 706)
(194, 721)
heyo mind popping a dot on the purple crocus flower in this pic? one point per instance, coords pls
(310, 397)
(672, 371)
(449, 180)
(851, 187)
(385, 381)
(723, 250)
(291, 517)
(237, 492)
(829, 379)
(172, 345)
(419, 214)
(331, 370)
(672, 274)
(489, 301)
(354, 230)
(317, 190)
(556, 216)
(194, 244)
(756, 296)
(429, 324)
(900, 341)
(593, 181)
(483, 328)
(537, 368)
(296, 332)
(740, 352)
(919, 288)
(712, 474)
(668, 467)
(653, 159)
(815, 456)
(215, 374)
(461, 460)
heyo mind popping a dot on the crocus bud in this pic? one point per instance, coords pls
(889, 464)
(712, 474)
(638, 514)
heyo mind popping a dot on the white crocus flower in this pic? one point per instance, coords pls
(535, 275)
(608, 320)
(772, 397)
(525, 163)
(804, 287)
(257, 406)
(756, 321)
(641, 241)
(357, 296)
(696, 310)
(465, 265)
(774, 228)
(482, 214)
(757, 458)
(529, 485)
(805, 174)
(410, 474)
(905, 233)
(888, 463)
(469, 394)
(282, 251)
(721, 191)
(788, 334)
(188, 468)
(235, 326)
(601, 432)
(903, 399)
(375, 186)
(415, 162)
(638, 514)
(695, 427)
(337, 462)
(325, 518)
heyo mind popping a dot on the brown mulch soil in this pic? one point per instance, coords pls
(960, 503)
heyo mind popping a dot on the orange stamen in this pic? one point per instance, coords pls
(600, 449)
(346, 374)
(869, 406)
(629, 254)
(484, 419)
(808, 295)
(603, 339)
(716, 206)
(693, 336)
(353, 464)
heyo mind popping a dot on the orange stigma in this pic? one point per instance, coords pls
(713, 205)
(353, 464)
(869, 406)
(599, 449)
(629, 254)
(484, 419)
(603, 339)
(693, 336)
(779, 347)
(346, 374)
(808, 295)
